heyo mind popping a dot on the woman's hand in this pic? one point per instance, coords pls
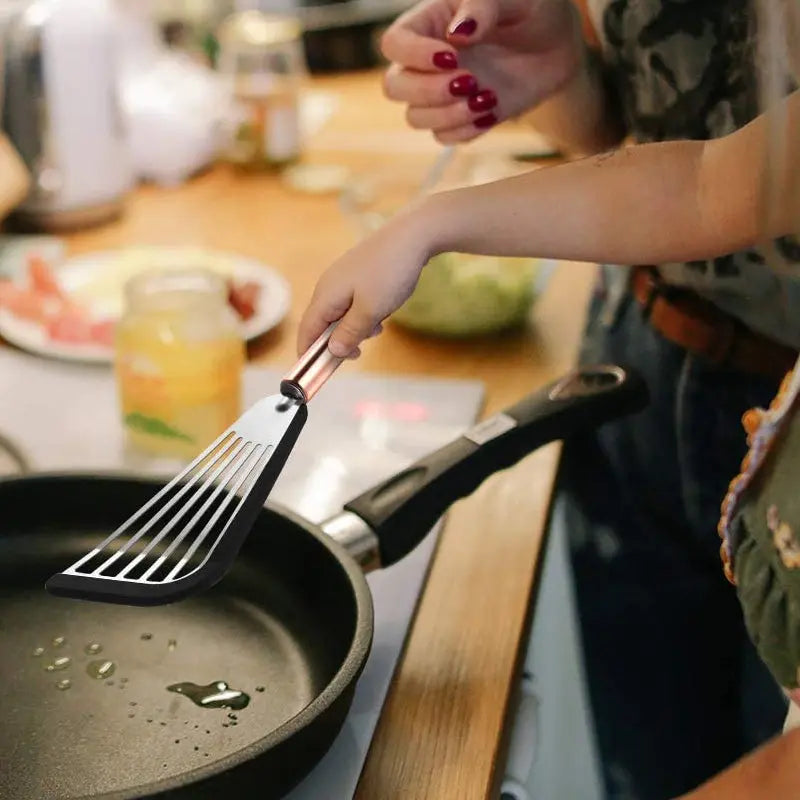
(461, 66)
(368, 283)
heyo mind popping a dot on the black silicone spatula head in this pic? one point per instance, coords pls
(185, 539)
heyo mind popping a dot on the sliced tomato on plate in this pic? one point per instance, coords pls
(70, 327)
(23, 303)
(103, 332)
(42, 278)
(243, 297)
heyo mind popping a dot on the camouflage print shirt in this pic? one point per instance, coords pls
(685, 69)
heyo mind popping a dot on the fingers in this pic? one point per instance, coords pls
(426, 89)
(327, 305)
(466, 133)
(464, 113)
(472, 21)
(355, 326)
(402, 45)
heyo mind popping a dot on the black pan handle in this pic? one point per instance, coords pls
(404, 508)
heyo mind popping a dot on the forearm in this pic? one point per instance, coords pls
(642, 204)
(773, 772)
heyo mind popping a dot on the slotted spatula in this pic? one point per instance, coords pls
(184, 540)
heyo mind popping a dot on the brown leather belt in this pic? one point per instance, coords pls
(699, 327)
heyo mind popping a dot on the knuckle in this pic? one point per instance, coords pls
(413, 118)
(387, 41)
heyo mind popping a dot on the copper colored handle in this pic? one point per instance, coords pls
(313, 369)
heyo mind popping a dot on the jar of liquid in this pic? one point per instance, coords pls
(262, 57)
(178, 362)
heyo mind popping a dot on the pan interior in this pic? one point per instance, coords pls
(276, 629)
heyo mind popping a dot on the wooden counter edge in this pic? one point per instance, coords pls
(443, 728)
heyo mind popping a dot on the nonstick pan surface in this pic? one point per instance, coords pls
(290, 626)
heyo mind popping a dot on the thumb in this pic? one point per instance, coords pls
(473, 20)
(355, 326)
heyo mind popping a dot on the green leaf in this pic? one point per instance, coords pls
(155, 427)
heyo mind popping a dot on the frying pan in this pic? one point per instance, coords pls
(290, 626)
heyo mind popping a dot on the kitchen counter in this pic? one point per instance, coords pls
(441, 732)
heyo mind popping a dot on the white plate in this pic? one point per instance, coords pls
(77, 274)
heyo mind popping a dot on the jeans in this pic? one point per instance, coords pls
(677, 690)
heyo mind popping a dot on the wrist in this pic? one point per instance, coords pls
(436, 224)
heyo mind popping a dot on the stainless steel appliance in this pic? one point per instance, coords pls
(61, 111)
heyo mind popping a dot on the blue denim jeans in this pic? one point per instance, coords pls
(676, 688)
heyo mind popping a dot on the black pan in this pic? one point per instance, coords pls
(291, 625)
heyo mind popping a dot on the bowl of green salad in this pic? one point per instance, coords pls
(459, 295)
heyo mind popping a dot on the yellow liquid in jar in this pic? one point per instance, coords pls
(179, 386)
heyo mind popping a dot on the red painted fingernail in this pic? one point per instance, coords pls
(463, 86)
(482, 101)
(485, 121)
(466, 27)
(445, 60)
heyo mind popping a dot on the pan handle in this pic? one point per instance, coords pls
(404, 508)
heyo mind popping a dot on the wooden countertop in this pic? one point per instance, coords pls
(440, 736)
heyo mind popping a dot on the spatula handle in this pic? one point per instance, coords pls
(313, 369)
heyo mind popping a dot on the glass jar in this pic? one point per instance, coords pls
(178, 361)
(262, 57)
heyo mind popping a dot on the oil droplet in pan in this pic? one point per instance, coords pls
(215, 695)
(64, 684)
(59, 664)
(172, 644)
(100, 669)
(59, 641)
(37, 652)
(93, 648)
(146, 637)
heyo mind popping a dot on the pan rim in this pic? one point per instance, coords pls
(346, 675)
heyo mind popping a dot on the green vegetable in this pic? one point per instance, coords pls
(463, 295)
(154, 427)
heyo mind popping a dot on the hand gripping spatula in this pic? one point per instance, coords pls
(185, 539)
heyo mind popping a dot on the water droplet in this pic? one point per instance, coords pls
(59, 664)
(177, 741)
(131, 716)
(132, 703)
(102, 668)
(232, 716)
(260, 688)
(93, 648)
(149, 720)
(205, 755)
(215, 695)
(123, 680)
(59, 641)
(64, 684)
(196, 747)
(164, 724)
(225, 725)
(208, 731)
(172, 644)
(37, 652)
(146, 637)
